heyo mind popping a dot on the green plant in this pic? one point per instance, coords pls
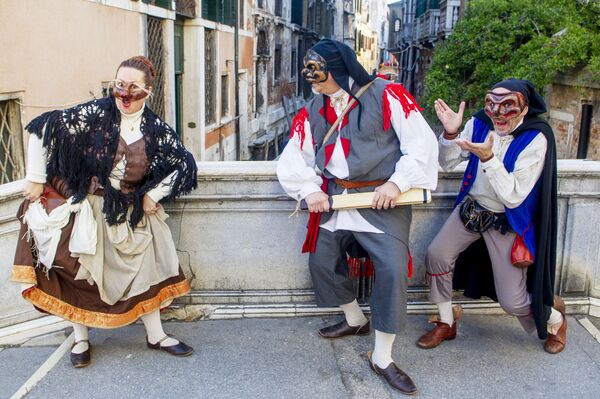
(498, 39)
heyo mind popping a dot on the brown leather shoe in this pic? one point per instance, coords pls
(79, 360)
(343, 329)
(556, 343)
(397, 378)
(441, 332)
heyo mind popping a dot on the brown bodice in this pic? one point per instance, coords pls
(136, 163)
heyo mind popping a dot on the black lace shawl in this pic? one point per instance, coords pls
(82, 142)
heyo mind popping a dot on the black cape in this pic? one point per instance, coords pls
(473, 270)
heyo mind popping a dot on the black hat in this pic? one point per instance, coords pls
(342, 63)
(534, 100)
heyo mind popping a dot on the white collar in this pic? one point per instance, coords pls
(133, 116)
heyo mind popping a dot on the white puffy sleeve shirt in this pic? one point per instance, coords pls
(417, 168)
(494, 187)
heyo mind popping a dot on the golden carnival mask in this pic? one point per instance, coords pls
(315, 67)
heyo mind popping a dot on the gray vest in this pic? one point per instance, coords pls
(373, 155)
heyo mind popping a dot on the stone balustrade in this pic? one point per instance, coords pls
(240, 247)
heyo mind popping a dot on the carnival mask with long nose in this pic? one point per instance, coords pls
(128, 92)
(506, 110)
(315, 67)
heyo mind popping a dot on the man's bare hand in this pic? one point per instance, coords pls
(32, 191)
(385, 196)
(317, 202)
(450, 119)
(481, 150)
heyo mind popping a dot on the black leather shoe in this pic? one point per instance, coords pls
(343, 329)
(179, 349)
(397, 378)
(82, 359)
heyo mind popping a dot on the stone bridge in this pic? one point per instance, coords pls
(240, 247)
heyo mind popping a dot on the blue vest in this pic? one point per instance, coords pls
(521, 218)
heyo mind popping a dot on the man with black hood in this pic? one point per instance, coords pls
(358, 134)
(500, 240)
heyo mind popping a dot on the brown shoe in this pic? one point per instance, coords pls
(397, 378)
(441, 332)
(343, 329)
(556, 343)
(79, 360)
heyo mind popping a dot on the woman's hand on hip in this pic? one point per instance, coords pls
(150, 207)
(32, 191)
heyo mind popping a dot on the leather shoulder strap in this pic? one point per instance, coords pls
(333, 127)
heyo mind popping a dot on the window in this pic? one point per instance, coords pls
(210, 70)
(156, 54)
(224, 95)
(277, 60)
(279, 8)
(397, 25)
(297, 8)
(294, 66)
(221, 11)
(12, 164)
(168, 4)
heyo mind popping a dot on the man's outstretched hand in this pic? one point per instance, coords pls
(450, 119)
(481, 150)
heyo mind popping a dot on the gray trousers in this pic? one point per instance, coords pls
(510, 282)
(333, 287)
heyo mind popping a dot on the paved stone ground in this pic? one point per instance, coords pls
(284, 358)
(595, 321)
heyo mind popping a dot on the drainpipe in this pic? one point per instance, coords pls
(584, 131)
(236, 67)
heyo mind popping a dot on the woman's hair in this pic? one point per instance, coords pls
(143, 64)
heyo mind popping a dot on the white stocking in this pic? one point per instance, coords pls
(446, 315)
(81, 333)
(154, 329)
(382, 354)
(554, 321)
(354, 314)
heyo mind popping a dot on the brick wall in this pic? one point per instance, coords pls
(564, 100)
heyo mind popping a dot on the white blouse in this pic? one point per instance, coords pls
(494, 187)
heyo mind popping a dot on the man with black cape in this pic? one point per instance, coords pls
(358, 134)
(500, 240)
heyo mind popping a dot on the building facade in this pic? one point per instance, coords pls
(415, 27)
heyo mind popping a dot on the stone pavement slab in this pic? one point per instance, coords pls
(17, 365)
(284, 358)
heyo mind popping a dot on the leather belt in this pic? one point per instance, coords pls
(347, 184)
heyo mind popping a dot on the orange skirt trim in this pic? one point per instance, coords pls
(89, 318)
(23, 274)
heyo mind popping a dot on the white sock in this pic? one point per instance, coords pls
(382, 354)
(554, 321)
(354, 314)
(81, 333)
(154, 329)
(446, 315)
